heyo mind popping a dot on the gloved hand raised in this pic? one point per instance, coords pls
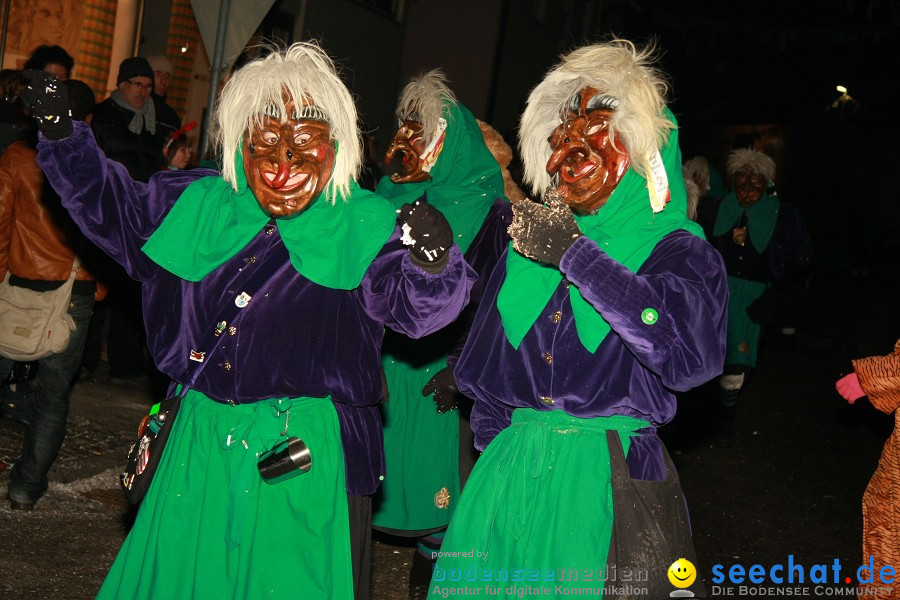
(848, 387)
(543, 232)
(49, 103)
(427, 233)
(443, 386)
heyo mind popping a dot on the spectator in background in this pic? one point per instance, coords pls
(41, 241)
(51, 59)
(126, 129)
(166, 116)
(178, 148)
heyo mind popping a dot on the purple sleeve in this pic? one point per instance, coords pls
(483, 254)
(410, 300)
(683, 289)
(487, 420)
(114, 211)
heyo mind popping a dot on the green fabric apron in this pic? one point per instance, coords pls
(210, 516)
(743, 334)
(421, 483)
(421, 446)
(538, 501)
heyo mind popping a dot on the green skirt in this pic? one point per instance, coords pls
(210, 527)
(537, 505)
(743, 334)
(421, 481)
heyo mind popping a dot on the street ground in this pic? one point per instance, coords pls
(786, 487)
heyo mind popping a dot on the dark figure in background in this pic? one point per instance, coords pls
(128, 131)
(40, 241)
(51, 59)
(755, 234)
(441, 157)
(166, 118)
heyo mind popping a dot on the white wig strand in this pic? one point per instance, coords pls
(759, 163)
(616, 68)
(696, 168)
(302, 72)
(424, 96)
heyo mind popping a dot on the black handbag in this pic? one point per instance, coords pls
(651, 530)
(144, 454)
(153, 432)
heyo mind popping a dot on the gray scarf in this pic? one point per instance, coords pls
(143, 117)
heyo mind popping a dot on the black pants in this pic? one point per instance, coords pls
(360, 509)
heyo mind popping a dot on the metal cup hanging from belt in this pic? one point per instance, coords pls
(287, 459)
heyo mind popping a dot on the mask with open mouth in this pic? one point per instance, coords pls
(585, 164)
(403, 158)
(289, 161)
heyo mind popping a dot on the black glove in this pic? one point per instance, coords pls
(49, 103)
(542, 232)
(443, 386)
(427, 233)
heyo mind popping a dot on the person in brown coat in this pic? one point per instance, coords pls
(38, 244)
(878, 378)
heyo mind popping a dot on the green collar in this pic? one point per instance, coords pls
(761, 218)
(626, 228)
(331, 245)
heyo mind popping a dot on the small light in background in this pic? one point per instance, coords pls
(841, 89)
(184, 48)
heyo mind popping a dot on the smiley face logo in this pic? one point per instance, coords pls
(682, 573)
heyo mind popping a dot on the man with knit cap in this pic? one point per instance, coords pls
(607, 302)
(267, 287)
(126, 128)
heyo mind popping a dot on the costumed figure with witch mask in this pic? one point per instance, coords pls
(755, 234)
(608, 302)
(443, 160)
(299, 358)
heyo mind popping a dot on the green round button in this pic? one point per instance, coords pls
(649, 316)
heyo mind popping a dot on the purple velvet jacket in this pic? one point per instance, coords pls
(635, 370)
(297, 339)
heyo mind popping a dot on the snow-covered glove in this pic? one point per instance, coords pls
(543, 231)
(428, 234)
(443, 386)
(848, 387)
(49, 103)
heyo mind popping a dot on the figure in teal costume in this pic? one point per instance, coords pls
(428, 445)
(755, 235)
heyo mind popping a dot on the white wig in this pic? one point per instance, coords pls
(301, 73)
(422, 101)
(697, 169)
(755, 161)
(616, 69)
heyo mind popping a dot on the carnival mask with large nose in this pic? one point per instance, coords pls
(403, 158)
(288, 163)
(585, 164)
